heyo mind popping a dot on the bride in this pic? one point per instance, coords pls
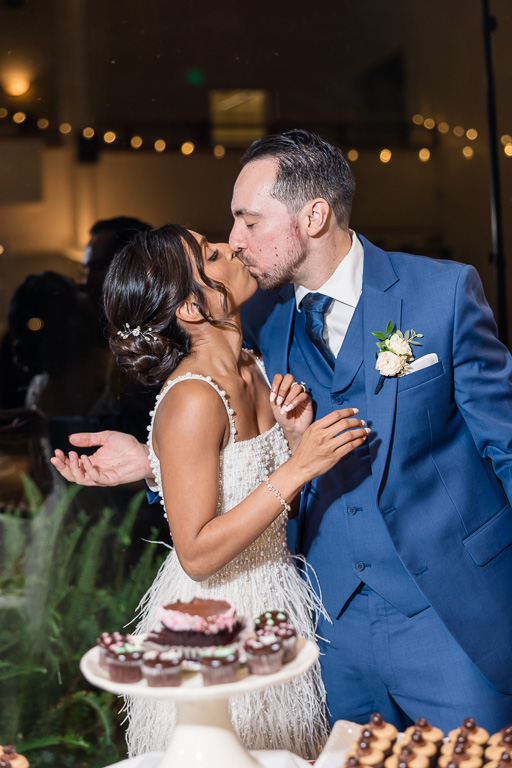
(228, 457)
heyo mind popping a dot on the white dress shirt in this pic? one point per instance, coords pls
(344, 286)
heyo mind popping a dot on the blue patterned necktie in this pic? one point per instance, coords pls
(315, 305)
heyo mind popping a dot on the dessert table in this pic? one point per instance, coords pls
(203, 736)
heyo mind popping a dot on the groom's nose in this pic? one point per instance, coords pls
(235, 237)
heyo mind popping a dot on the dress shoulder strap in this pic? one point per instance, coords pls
(259, 363)
(189, 377)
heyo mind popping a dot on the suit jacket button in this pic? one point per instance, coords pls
(351, 510)
(340, 399)
(360, 566)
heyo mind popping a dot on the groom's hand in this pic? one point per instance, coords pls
(119, 459)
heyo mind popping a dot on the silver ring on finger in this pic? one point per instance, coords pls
(303, 385)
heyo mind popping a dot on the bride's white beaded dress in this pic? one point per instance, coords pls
(263, 577)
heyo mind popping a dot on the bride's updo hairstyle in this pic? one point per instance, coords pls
(146, 283)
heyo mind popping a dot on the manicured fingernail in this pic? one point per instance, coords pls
(363, 422)
(289, 407)
(367, 430)
(279, 400)
(355, 410)
(272, 396)
(283, 409)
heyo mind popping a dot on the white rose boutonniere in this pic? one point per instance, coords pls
(395, 352)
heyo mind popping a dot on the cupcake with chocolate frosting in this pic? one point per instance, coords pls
(219, 666)
(105, 641)
(124, 663)
(162, 668)
(264, 654)
(286, 634)
(271, 619)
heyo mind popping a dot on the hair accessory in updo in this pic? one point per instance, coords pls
(127, 331)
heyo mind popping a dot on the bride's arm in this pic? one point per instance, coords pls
(190, 429)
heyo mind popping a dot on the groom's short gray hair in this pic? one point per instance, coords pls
(308, 167)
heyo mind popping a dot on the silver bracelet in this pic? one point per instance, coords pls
(277, 495)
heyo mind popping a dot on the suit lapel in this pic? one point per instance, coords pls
(379, 307)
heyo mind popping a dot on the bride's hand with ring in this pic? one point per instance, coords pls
(292, 407)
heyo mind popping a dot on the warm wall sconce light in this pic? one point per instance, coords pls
(15, 85)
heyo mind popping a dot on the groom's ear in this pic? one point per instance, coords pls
(316, 216)
(188, 312)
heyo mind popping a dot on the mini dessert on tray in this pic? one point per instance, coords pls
(496, 738)
(11, 758)
(286, 634)
(429, 732)
(471, 730)
(381, 728)
(407, 758)
(124, 663)
(106, 640)
(219, 665)
(471, 747)
(271, 619)
(369, 735)
(417, 741)
(367, 754)
(162, 668)
(495, 749)
(505, 761)
(460, 759)
(264, 654)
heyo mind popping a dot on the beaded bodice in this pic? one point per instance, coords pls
(243, 467)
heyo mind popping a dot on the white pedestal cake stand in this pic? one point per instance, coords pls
(203, 737)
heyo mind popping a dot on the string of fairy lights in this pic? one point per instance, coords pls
(468, 138)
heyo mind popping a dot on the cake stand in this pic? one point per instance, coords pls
(203, 736)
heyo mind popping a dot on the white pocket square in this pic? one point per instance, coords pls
(422, 362)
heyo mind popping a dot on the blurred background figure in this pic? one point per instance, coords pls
(107, 237)
(51, 330)
(57, 370)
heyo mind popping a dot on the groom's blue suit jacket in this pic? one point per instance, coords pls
(426, 501)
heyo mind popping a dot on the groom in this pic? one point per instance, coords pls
(409, 535)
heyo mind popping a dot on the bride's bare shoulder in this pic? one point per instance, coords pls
(188, 405)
